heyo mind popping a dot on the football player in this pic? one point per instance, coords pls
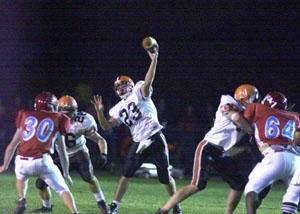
(274, 129)
(210, 151)
(83, 126)
(35, 135)
(137, 111)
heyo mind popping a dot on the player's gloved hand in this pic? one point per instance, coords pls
(69, 179)
(102, 159)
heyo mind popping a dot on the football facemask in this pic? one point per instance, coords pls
(67, 105)
(123, 86)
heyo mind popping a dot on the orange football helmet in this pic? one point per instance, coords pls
(246, 94)
(123, 86)
(68, 105)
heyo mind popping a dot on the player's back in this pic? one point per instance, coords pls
(272, 126)
(39, 131)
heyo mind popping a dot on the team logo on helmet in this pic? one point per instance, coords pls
(275, 100)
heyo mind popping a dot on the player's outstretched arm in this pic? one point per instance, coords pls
(10, 150)
(104, 123)
(150, 73)
(64, 158)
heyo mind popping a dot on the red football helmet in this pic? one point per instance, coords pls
(123, 86)
(275, 100)
(67, 105)
(46, 101)
(246, 94)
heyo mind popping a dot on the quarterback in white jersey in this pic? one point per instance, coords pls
(137, 111)
(210, 151)
(83, 126)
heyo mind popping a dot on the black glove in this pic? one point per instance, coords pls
(102, 160)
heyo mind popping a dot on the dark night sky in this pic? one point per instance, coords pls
(205, 49)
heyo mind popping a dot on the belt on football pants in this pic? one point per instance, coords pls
(31, 158)
(274, 151)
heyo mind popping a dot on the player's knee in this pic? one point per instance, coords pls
(128, 173)
(237, 185)
(201, 185)
(88, 177)
(164, 180)
(60, 192)
(263, 194)
(40, 184)
(164, 176)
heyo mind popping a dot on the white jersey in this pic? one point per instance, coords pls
(225, 133)
(138, 113)
(82, 125)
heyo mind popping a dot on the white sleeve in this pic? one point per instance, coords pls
(89, 125)
(114, 112)
(137, 90)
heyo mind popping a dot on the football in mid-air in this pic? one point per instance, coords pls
(149, 43)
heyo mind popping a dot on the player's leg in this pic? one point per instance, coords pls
(290, 201)
(199, 179)
(21, 186)
(69, 201)
(178, 197)
(22, 178)
(233, 200)
(133, 162)
(158, 150)
(264, 174)
(86, 171)
(228, 170)
(45, 194)
(53, 177)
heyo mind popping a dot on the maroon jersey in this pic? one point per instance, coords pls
(272, 126)
(39, 131)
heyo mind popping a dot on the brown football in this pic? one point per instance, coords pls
(149, 43)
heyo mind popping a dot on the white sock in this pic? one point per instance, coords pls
(99, 196)
(116, 202)
(46, 203)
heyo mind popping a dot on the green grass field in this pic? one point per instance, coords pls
(143, 196)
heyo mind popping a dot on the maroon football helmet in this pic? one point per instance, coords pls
(275, 100)
(46, 101)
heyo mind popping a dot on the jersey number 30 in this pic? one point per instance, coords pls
(272, 130)
(43, 131)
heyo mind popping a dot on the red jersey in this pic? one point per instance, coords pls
(39, 130)
(271, 125)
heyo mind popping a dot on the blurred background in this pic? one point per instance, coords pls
(206, 50)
